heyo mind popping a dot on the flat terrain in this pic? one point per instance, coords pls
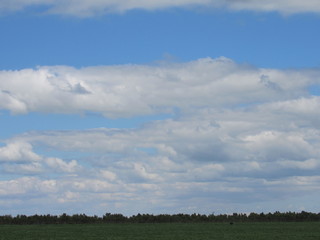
(164, 231)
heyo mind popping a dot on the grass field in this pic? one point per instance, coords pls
(164, 231)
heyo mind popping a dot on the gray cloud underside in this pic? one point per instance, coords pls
(242, 137)
(85, 8)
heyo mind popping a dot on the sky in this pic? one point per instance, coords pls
(186, 106)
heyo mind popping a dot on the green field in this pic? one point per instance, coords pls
(164, 231)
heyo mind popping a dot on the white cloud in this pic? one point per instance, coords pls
(26, 186)
(307, 164)
(242, 136)
(19, 157)
(300, 106)
(61, 166)
(18, 152)
(213, 163)
(275, 145)
(133, 90)
(285, 6)
(111, 176)
(33, 168)
(85, 8)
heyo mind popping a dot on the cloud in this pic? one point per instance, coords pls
(26, 185)
(193, 159)
(33, 168)
(134, 90)
(19, 157)
(60, 165)
(307, 164)
(86, 8)
(18, 152)
(284, 6)
(238, 137)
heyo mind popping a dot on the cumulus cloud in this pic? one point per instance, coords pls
(85, 8)
(19, 157)
(26, 185)
(133, 90)
(238, 136)
(60, 165)
(33, 168)
(193, 159)
(18, 152)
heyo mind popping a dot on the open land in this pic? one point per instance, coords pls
(164, 231)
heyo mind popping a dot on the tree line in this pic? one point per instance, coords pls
(161, 218)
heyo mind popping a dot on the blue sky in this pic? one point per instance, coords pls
(262, 39)
(159, 107)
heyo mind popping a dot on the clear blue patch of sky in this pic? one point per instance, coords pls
(261, 39)
(16, 124)
(314, 90)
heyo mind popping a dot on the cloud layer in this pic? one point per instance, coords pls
(135, 90)
(239, 138)
(85, 8)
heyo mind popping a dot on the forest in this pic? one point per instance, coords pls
(161, 218)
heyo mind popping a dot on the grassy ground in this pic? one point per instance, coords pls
(170, 231)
